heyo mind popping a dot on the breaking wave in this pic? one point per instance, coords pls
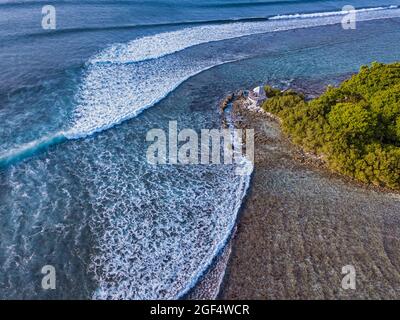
(125, 79)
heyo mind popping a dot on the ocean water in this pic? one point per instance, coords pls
(76, 191)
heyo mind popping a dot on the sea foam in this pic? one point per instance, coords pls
(125, 79)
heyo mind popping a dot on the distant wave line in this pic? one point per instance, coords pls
(302, 15)
(130, 52)
(329, 13)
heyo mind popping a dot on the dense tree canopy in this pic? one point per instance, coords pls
(355, 126)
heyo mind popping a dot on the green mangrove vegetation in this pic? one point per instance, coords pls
(356, 126)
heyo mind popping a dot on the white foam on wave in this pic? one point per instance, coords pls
(329, 13)
(111, 94)
(159, 235)
(155, 46)
(125, 79)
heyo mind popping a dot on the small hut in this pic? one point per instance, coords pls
(257, 96)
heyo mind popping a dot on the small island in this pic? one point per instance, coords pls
(355, 128)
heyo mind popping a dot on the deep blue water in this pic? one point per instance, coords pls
(76, 103)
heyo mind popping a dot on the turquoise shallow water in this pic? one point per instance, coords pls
(90, 204)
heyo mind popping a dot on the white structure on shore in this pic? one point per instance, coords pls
(257, 96)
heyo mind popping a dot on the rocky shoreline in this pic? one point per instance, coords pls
(301, 223)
